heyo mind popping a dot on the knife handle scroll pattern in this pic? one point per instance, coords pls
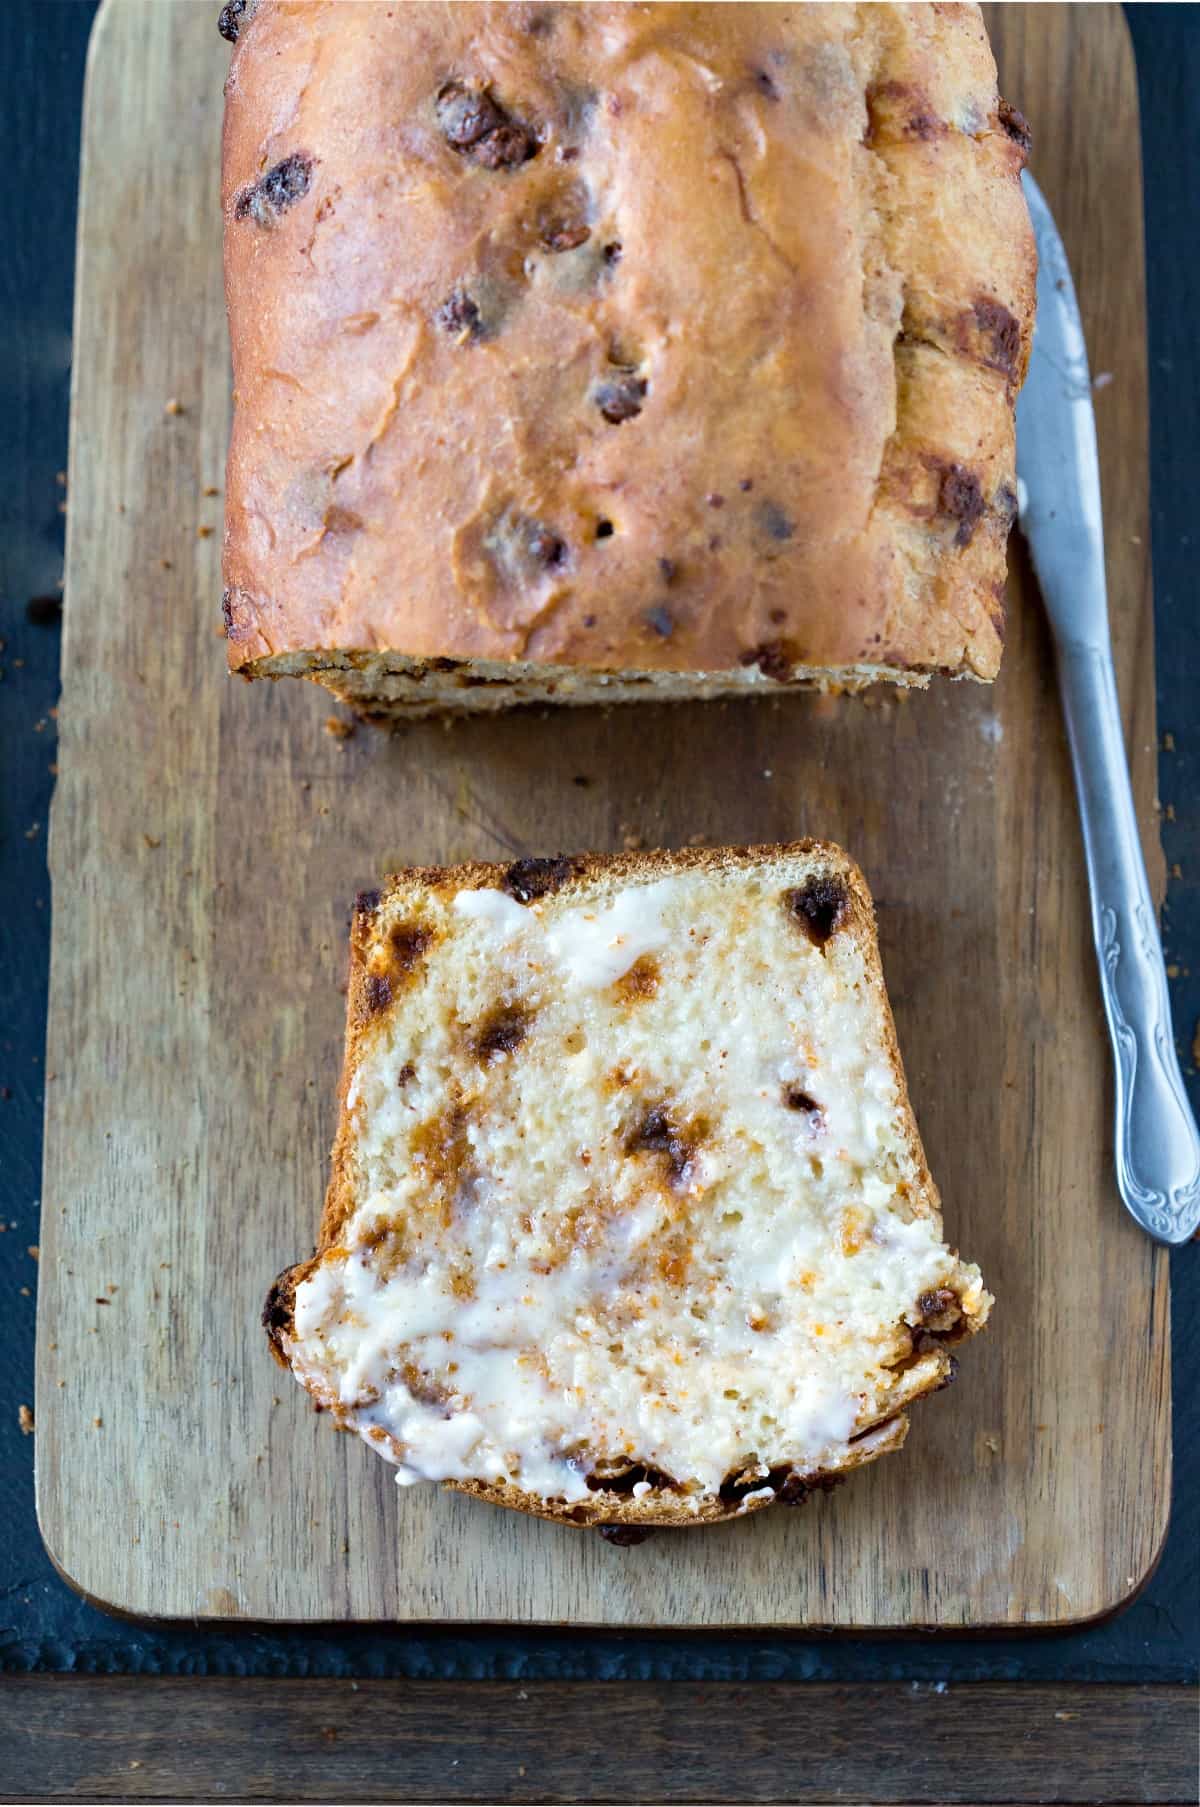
(1165, 1211)
(1156, 1145)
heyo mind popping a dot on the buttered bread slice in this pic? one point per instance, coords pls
(629, 1222)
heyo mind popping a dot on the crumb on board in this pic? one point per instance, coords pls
(34, 1251)
(151, 841)
(174, 406)
(338, 727)
(210, 489)
(25, 1420)
(203, 533)
(97, 1423)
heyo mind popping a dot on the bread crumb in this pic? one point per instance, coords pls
(339, 728)
(97, 1423)
(34, 1251)
(1196, 1044)
(25, 1420)
(174, 406)
(203, 533)
(631, 840)
(1172, 971)
(1168, 743)
(32, 832)
(151, 841)
(25, 1292)
(210, 489)
(166, 564)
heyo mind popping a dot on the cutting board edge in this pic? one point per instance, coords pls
(138, 1611)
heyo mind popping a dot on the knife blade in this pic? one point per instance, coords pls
(1156, 1146)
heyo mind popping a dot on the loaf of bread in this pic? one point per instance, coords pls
(629, 1223)
(585, 352)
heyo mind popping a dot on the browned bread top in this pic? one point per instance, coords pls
(629, 1219)
(621, 337)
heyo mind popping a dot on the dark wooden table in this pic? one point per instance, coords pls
(93, 1708)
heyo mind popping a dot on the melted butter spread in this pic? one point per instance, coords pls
(620, 1240)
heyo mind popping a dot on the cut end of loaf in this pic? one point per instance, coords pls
(386, 688)
(630, 1222)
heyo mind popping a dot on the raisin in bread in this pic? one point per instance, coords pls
(629, 1223)
(597, 351)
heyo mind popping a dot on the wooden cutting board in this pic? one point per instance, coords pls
(208, 836)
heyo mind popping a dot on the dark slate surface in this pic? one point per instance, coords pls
(43, 1624)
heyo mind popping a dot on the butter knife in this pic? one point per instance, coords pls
(1156, 1144)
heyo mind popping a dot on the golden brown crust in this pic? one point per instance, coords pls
(702, 358)
(847, 909)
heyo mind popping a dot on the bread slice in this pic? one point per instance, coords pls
(629, 1222)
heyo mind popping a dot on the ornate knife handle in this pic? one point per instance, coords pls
(1156, 1146)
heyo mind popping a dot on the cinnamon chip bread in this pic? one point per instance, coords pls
(630, 1223)
(597, 351)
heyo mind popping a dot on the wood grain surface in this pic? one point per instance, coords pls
(147, 1738)
(207, 839)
